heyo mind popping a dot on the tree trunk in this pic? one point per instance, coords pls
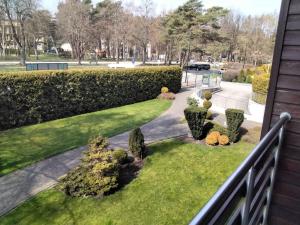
(118, 52)
(144, 54)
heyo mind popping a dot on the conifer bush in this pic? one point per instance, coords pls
(235, 119)
(137, 143)
(96, 176)
(195, 117)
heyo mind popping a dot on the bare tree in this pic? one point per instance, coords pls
(37, 29)
(142, 26)
(17, 12)
(74, 22)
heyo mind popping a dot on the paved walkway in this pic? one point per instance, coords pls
(23, 184)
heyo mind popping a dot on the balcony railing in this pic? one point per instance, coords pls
(246, 196)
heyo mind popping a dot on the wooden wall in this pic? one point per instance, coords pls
(284, 96)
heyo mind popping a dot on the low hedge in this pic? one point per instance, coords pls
(260, 84)
(33, 97)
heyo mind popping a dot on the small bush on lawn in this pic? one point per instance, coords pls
(136, 143)
(207, 103)
(121, 156)
(192, 102)
(212, 139)
(207, 95)
(195, 117)
(234, 118)
(164, 90)
(97, 174)
(223, 140)
(167, 96)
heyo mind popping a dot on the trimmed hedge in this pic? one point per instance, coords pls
(195, 117)
(235, 119)
(260, 85)
(33, 97)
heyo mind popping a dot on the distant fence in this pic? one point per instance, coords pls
(46, 66)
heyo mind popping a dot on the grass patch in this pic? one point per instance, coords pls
(176, 181)
(23, 146)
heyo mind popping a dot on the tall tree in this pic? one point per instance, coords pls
(17, 12)
(192, 27)
(37, 29)
(142, 26)
(74, 22)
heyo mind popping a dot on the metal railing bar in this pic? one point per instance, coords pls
(222, 209)
(249, 195)
(260, 192)
(236, 215)
(273, 175)
(269, 149)
(235, 204)
(239, 174)
(268, 165)
(258, 209)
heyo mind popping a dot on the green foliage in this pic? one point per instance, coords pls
(235, 119)
(121, 156)
(33, 97)
(212, 126)
(192, 102)
(209, 115)
(195, 117)
(260, 84)
(207, 95)
(137, 143)
(96, 176)
(259, 98)
(164, 90)
(207, 104)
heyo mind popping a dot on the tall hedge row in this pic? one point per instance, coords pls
(33, 97)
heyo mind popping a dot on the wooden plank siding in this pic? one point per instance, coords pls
(284, 96)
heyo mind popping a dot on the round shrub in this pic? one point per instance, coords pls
(195, 117)
(137, 143)
(164, 90)
(223, 140)
(215, 133)
(192, 102)
(207, 95)
(121, 156)
(167, 96)
(211, 139)
(207, 104)
(260, 86)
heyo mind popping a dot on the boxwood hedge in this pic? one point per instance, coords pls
(33, 97)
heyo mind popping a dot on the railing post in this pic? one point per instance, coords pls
(274, 171)
(249, 195)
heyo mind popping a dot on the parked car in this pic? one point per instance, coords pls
(198, 67)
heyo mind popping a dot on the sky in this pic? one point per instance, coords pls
(252, 7)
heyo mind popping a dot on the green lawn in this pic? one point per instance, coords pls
(177, 180)
(23, 146)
